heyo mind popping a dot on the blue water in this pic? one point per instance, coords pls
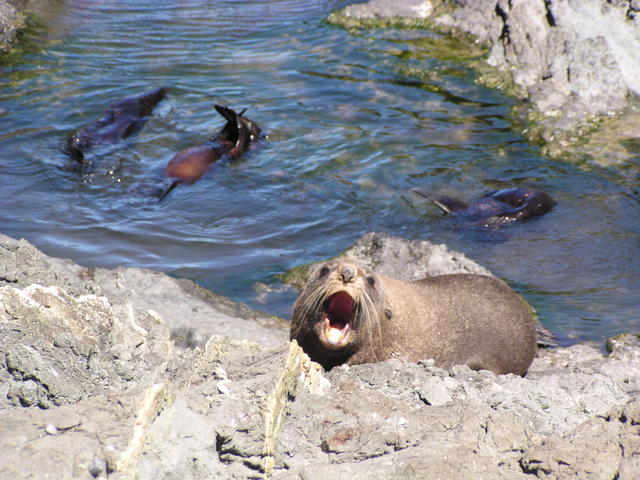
(351, 130)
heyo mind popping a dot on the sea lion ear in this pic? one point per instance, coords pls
(388, 313)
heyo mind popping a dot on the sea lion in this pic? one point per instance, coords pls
(119, 121)
(347, 314)
(188, 165)
(498, 207)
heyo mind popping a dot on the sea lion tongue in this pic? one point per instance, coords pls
(339, 313)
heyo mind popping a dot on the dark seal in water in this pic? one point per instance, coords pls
(497, 208)
(119, 121)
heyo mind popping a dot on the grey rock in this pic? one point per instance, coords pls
(10, 22)
(376, 9)
(92, 385)
(193, 313)
(574, 61)
(378, 417)
(398, 258)
(410, 259)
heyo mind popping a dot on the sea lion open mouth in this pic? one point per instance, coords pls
(338, 319)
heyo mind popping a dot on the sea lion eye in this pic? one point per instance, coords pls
(323, 271)
(371, 281)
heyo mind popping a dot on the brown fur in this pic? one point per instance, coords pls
(454, 319)
(189, 165)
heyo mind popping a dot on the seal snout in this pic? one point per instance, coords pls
(348, 273)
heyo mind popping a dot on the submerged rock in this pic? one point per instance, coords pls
(94, 383)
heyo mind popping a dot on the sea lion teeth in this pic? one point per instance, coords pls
(335, 335)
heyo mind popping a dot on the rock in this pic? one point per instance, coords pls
(93, 385)
(381, 9)
(192, 313)
(399, 258)
(10, 22)
(377, 419)
(576, 60)
(574, 63)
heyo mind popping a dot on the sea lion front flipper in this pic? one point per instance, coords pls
(168, 189)
(447, 204)
(231, 131)
(227, 113)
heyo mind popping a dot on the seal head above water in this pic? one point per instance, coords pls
(348, 314)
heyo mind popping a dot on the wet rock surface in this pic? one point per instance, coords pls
(95, 383)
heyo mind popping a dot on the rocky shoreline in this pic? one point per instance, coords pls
(574, 64)
(128, 373)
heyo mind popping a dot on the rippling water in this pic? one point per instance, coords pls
(352, 127)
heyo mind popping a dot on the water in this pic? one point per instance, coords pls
(352, 127)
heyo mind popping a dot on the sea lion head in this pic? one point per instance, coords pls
(338, 312)
(252, 128)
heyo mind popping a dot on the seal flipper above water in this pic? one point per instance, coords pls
(168, 189)
(231, 131)
(239, 132)
(447, 204)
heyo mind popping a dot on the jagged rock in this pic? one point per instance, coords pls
(93, 385)
(381, 9)
(398, 258)
(379, 419)
(192, 313)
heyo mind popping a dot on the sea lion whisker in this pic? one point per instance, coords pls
(316, 299)
(367, 303)
(313, 303)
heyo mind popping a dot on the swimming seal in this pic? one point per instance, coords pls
(347, 314)
(497, 207)
(188, 165)
(119, 121)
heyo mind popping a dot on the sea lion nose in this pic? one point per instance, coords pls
(347, 273)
